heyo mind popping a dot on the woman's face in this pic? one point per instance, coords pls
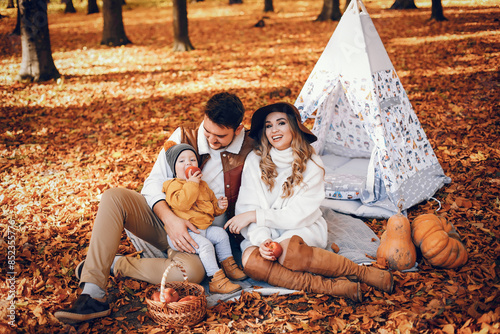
(278, 130)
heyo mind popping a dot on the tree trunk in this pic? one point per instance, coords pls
(268, 6)
(10, 4)
(37, 63)
(437, 11)
(92, 7)
(17, 29)
(69, 7)
(404, 4)
(113, 32)
(330, 11)
(180, 23)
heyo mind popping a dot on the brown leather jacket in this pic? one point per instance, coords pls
(232, 164)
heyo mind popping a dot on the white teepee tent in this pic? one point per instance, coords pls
(374, 148)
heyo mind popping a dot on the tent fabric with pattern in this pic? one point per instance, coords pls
(376, 153)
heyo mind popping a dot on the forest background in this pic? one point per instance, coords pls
(101, 125)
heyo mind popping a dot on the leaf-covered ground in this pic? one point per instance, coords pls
(101, 125)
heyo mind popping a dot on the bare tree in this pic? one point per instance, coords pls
(180, 23)
(113, 32)
(404, 4)
(330, 11)
(437, 11)
(92, 7)
(70, 8)
(17, 28)
(268, 6)
(37, 63)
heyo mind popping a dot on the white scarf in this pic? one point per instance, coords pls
(282, 159)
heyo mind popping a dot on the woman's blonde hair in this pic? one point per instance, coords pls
(302, 151)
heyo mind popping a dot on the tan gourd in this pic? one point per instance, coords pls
(396, 245)
(439, 241)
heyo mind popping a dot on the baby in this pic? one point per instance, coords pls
(190, 198)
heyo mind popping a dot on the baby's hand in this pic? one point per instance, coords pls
(222, 202)
(194, 177)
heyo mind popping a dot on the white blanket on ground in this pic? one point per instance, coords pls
(354, 238)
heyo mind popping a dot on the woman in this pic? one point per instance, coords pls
(279, 199)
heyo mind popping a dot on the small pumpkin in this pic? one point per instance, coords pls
(396, 245)
(439, 241)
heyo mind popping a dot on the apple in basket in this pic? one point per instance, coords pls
(186, 299)
(156, 296)
(170, 295)
(192, 169)
(275, 249)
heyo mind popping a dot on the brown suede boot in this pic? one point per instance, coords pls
(275, 274)
(301, 257)
(221, 284)
(232, 270)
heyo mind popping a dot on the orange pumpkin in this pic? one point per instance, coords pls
(396, 246)
(439, 241)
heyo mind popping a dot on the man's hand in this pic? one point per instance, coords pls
(176, 228)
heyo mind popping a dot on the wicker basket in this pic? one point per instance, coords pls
(177, 314)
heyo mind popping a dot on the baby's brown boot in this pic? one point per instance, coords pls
(221, 284)
(232, 270)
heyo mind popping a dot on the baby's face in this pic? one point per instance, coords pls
(186, 158)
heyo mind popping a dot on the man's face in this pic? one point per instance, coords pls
(218, 136)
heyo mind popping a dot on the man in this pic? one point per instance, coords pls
(222, 144)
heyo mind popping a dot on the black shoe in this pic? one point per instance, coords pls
(85, 308)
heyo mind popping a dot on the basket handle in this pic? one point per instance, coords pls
(164, 278)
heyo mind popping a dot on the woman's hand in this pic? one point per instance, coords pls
(238, 222)
(265, 251)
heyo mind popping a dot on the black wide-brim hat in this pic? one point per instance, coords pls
(259, 117)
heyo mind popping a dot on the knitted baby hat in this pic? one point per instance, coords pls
(173, 150)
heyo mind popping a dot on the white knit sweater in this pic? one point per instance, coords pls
(279, 218)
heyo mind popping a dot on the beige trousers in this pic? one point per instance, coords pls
(121, 209)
